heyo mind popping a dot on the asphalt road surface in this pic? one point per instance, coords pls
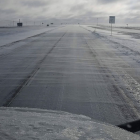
(68, 69)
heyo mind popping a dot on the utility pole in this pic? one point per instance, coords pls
(97, 21)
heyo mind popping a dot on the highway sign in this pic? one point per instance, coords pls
(112, 19)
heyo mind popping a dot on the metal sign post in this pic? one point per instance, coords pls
(111, 29)
(111, 21)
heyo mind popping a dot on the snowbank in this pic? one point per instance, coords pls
(28, 124)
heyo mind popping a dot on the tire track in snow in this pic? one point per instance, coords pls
(128, 82)
(12, 95)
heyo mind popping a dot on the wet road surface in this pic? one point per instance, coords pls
(68, 69)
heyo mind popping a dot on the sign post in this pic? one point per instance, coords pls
(111, 21)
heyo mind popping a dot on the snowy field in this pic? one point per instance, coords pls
(133, 31)
(13, 34)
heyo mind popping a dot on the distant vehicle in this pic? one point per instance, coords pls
(19, 24)
(47, 24)
(52, 23)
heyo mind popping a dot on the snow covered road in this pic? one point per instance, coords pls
(73, 70)
(13, 34)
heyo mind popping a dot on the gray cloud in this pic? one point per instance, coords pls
(73, 10)
(7, 11)
(108, 1)
(79, 7)
(33, 3)
(37, 3)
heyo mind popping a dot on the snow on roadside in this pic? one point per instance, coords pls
(129, 49)
(7, 36)
(24, 123)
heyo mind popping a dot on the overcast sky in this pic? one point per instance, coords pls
(84, 11)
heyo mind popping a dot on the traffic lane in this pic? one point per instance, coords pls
(112, 61)
(18, 64)
(71, 79)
